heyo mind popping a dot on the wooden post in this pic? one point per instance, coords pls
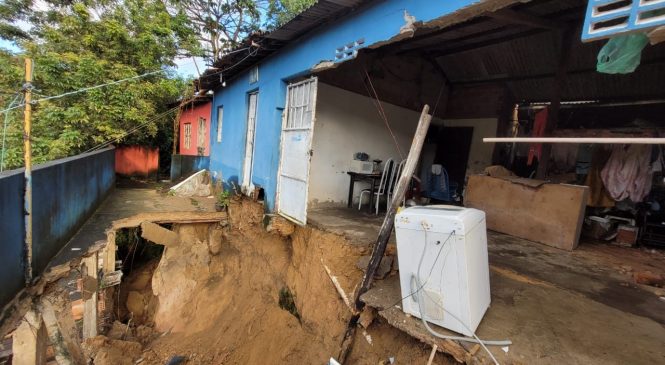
(27, 153)
(565, 44)
(29, 341)
(89, 269)
(61, 329)
(389, 221)
(109, 255)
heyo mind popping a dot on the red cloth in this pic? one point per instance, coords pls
(538, 131)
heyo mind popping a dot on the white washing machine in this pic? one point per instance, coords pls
(454, 273)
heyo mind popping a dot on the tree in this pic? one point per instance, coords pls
(281, 11)
(220, 25)
(78, 44)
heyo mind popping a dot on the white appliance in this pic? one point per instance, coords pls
(362, 167)
(454, 273)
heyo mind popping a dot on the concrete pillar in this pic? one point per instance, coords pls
(29, 341)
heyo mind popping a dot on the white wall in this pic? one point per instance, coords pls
(347, 123)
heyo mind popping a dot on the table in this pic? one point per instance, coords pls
(371, 178)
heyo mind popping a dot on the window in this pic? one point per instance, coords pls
(254, 75)
(201, 136)
(188, 135)
(220, 114)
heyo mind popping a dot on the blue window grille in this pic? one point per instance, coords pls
(608, 18)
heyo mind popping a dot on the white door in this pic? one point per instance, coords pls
(296, 150)
(248, 162)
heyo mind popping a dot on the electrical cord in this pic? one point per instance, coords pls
(428, 276)
(473, 339)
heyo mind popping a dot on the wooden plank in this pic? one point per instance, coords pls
(158, 234)
(90, 287)
(389, 221)
(109, 253)
(29, 341)
(551, 214)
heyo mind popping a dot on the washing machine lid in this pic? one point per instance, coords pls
(439, 218)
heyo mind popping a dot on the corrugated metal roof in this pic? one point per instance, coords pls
(322, 12)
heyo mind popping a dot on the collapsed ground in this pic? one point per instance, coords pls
(240, 294)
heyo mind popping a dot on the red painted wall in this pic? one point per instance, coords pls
(191, 115)
(136, 160)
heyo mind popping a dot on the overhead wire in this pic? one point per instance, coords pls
(4, 132)
(382, 112)
(132, 130)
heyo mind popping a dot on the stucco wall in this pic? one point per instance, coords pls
(191, 115)
(65, 193)
(136, 161)
(347, 122)
(376, 23)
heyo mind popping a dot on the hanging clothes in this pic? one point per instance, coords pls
(598, 156)
(539, 125)
(628, 172)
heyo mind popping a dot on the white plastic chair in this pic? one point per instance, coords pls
(394, 178)
(382, 188)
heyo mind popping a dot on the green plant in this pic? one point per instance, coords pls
(224, 198)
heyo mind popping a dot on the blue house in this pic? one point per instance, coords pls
(292, 107)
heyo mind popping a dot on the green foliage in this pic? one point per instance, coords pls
(281, 11)
(78, 44)
(224, 198)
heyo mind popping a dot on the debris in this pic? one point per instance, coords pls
(341, 292)
(432, 354)
(111, 279)
(158, 234)
(333, 362)
(76, 249)
(505, 349)
(283, 227)
(649, 278)
(367, 316)
(384, 267)
(176, 360)
(367, 337)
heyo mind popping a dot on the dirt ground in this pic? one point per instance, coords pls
(214, 299)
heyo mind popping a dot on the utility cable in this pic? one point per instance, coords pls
(132, 130)
(4, 132)
(473, 339)
(383, 115)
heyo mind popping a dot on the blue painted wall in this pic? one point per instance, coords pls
(11, 226)
(374, 24)
(186, 165)
(65, 193)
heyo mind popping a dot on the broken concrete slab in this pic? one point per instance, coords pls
(158, 234)
(384, 267)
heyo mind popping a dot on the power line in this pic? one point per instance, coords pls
(4, 133)
(134, 129)
(90, 88)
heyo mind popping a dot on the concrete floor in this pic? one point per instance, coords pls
(124, 203)
(558, 307)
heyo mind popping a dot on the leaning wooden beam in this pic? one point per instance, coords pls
(61, 330)
(389, 221)
(29, 341)
(584, 140)
(90, 285)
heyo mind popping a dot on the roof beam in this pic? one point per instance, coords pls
(514, 17)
